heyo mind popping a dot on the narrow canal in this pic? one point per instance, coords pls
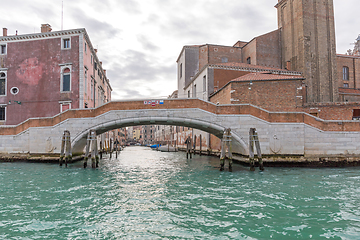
(145, 194)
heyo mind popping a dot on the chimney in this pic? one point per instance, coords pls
(45, 28)
(4, 32)
(95, 50)
(101, 63)
(105, 72)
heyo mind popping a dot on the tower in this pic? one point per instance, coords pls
(308, 45)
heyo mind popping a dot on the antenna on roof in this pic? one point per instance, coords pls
(62, 15)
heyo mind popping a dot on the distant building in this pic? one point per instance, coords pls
(137, 133)
(44, 74)
(148, 134)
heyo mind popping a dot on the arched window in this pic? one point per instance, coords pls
(346, 73)
(2, 84)
(66, 80)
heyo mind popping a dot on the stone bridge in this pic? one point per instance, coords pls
(279, 133)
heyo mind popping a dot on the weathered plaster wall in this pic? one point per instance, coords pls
(34, 68)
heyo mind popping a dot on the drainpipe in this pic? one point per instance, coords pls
(354, 73)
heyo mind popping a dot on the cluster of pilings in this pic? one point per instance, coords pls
(226, 149)
(254, 140)
(109, 147)
(191, 146)
(65, 153)
(92, 151)
(226, 144)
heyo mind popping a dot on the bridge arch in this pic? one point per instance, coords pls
(79, 141)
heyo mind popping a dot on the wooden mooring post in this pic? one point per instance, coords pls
(91, 149)
(194, 146)
(116, 148)
(111, 147)
(226, 143)
(254, 140)
(188, 147)
(65, 148)
(101, 150)
(200, 142)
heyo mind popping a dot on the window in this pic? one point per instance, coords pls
(66, 43)
(180, 70)
(2, 113)
(65, 106)
(92, 89)
(224, 59)
(66, 80)
(189, 94)
(2, 84)
(248, 60)
(3, 49)
(14, 90)
(86, 87)
(85, 48)
(204, 83)
(194, 91)
(356, 114)
(346, 85)
(345, 73)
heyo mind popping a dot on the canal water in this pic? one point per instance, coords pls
(146, 194)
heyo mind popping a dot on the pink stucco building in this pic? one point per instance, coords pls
(43, 74)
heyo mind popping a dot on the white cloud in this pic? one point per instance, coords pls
(139, 41)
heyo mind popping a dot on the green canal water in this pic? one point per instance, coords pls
(146, 194)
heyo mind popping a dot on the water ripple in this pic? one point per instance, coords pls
(146, 194)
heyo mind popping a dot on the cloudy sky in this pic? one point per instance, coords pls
(139, 41)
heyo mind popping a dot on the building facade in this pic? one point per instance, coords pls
(292, 69)
(44, 74)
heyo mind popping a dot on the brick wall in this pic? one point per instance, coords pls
(211, 54)
(249, 50)
(223, 96)
(268, 50)
(222, 77)
(270, 95)
(349, 92)
(308, 40)
(329, 111)
(282, 96)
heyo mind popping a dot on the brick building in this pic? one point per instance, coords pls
(294, 68)
(43, 74)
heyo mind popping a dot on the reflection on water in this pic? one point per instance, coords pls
(146, 194)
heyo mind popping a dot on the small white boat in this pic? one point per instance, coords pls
(167, 148)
